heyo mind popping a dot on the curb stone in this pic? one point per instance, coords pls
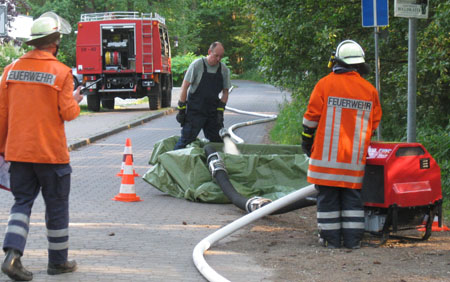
(87, 141)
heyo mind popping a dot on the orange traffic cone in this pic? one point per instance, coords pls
(126, 152)
(127, 190)
(435, 227)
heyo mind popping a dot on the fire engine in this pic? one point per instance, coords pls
(125, 55)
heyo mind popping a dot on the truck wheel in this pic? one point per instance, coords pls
(108, 104)
(154, 97)
(166, 93)
(93, 102)
(75, 83)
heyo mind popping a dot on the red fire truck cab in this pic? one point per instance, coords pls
(125, 55)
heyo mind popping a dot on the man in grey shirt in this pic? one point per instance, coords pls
(199, 106)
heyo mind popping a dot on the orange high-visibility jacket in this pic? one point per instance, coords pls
(345, 109)
(36, 97)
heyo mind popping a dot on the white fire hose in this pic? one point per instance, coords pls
(208, 272)
(266, 118)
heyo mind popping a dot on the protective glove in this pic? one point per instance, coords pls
(307, 139)
(220, 110)
(181, 115)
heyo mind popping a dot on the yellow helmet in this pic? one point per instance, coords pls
(47, 29)
(350, 52)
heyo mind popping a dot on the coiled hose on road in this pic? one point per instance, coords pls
(266, 118)
(257, 208)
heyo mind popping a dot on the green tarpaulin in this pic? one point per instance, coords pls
(270, 171)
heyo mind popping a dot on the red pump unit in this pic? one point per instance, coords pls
(401, 187)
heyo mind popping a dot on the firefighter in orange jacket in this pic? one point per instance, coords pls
(36, 97)
(343, 111)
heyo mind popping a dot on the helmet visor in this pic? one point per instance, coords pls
(63, 25)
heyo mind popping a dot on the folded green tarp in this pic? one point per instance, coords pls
(270, 171)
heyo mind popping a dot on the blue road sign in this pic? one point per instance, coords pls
(375, 13)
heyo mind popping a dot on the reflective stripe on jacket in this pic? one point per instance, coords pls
(36, 97)
(345, 109)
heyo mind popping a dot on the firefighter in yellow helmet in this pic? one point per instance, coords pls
(342, 113)
(36, 97)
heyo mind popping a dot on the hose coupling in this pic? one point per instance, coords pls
(255, 203)
(312, 199)
(215, 163)
(224, 133)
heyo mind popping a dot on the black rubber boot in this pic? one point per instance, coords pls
(327, 244)
(12, 266)
(68, 266)
(354, 243)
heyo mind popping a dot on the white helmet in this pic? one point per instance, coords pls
(349, 52)
(47, 29)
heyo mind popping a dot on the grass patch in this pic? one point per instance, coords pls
(84, 110)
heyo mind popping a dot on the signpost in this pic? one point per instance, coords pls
(375, 13)
(412, 9)
(417, 9)
(3, 20)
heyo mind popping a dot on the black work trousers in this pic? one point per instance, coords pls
(340, 215)
(196, 121)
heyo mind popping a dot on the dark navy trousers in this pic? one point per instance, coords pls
(27, 180)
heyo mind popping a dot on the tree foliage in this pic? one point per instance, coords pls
(294, 40)
(229, 23)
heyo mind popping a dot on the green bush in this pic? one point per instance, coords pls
(288, 127)
(181, 63)
(437, 142)
(8, 53)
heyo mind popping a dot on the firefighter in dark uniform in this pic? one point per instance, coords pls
(202, 108)
(36, 98)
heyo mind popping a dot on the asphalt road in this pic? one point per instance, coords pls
(151, 240)
(246, 96)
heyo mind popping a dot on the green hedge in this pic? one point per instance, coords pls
(181, 63)
(437, 142)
